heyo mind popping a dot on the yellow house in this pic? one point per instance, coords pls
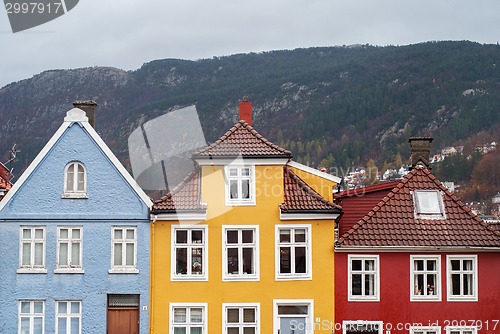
(244, 244)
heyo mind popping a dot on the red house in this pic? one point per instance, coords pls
(419, 262)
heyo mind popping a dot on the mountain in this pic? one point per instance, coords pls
(334, 106)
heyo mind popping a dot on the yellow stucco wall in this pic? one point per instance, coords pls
(215, 292)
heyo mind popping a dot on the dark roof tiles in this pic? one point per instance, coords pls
(392, 222)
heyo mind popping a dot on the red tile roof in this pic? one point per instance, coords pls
(242, 140)
(392, 222)
(184, 197)
(299, 197)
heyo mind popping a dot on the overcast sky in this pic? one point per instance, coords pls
(126, 34)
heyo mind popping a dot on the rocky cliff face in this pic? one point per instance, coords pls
(358, 102)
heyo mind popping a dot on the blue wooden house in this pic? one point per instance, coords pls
(75, 240)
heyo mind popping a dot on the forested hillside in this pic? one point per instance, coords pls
(335, 106)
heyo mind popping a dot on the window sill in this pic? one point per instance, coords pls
(363, 299)
(69, 271)
(75, 195)
(240, 278)
(189, 278)
(240, 203)
(294, 278)
(31, 271)
(123, 271)
(462, 298)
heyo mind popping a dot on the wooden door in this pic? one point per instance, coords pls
(123, 314)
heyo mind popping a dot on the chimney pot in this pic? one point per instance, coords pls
(246, 110)
(420, 148)
(89, 106)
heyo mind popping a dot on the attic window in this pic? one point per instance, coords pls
(428, 204)
(75, 180)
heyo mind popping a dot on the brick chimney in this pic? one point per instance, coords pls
(89, 106)
(246, 110)
(420, 148)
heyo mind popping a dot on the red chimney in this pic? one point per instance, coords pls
(246, 110)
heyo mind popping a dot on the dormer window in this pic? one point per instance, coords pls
(75, 180)
(240, 185)
(428, 204)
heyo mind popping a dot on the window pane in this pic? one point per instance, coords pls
(25, 325)
(300, 235)
(285, 259)
(245, 189)
(356, 265)
(26, 233)
(232, 237)
(233, 189)
(233, 172)
(38, 233)
(197, 256)
(75, 254)
(284, 235)
(63, 233)
(181, 236)
(63, 254)
(38, 307)
(25, 307)
(300, 259)
(180, 314)
(233, 315)
(419, 265)
(247, 236)
(248, 315)
(118, 234)
(455, 264)
(356, 284)
(369, 285)
(196, 330)
(467, 265)
(197, 315)
(70, 179)
(197, 236)
(38, 254)
(245, 172)
(26, 254)
(292, 309)
(38, 325)
(75, 325)
(233, 330)
(370, 265)
(467, 284)
(431, 265)
(248, 261)
(81, 178)
(249, 330)
(117, 261)
(75, 233)
(62, 307)
(130, 234)
(455, 284)
(232, 261)
(62, 325)
(178, 330)
(75, 307)
(129, 261)
(181, 260)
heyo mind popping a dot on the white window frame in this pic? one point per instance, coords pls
(461, 329)
(70, 268)
(348, 324)
(292, 244)
(425, 294)
(240, 276)
(189, 324)
(241, 325)
(174, 276)
(31, 315)
(239, 177)
(419, 214)
(376, 272)
(294, 302)
(68, 315)
(31, 267)
(474, 273)
(425, 329)
(123, 268)
(75, 192)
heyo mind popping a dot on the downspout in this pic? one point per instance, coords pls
(151, 276)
